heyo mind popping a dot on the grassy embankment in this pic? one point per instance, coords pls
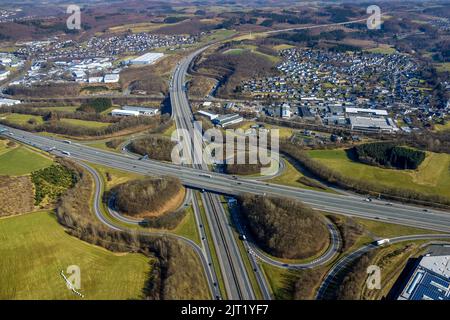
(432, 176)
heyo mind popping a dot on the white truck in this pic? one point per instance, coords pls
(382, 242)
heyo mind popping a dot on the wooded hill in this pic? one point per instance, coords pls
(149, 195)
(284, 228)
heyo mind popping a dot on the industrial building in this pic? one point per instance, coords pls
(430, 279)
(228, 120)
(124, 113)
(305, 113)
(146, 59)
(366, 112)
(8, 102)
(210, 115)
(372, 124)
(142, 111)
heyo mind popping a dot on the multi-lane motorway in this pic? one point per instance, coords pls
(352, 205)
(236, 278)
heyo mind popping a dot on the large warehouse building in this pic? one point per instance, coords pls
(430, 279)
(148, 58)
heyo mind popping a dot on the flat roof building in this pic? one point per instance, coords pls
(367, 112)
(111, 78)
(143, 111)
(210, 115)
(148, 58)
(228, 120)
(429, 280)
(370, 124)
(124, 113)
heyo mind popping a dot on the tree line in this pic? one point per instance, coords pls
(59, 127)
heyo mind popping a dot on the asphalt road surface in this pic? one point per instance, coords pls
(352, 205)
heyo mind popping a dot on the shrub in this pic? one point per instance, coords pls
(52, 182)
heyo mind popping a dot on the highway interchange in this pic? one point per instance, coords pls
(234, 273)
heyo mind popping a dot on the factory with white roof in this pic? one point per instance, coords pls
(430, 277)
(132, 111)
(146, 59)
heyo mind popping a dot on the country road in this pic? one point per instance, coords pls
(205, 260)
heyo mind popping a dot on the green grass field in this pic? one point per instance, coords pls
(432, 177)
(188, 227)
(34, 250)
(383, 49)
(21, 118)
(234, 51)
(443, 67)
(442, 127)
(87, 124)
(21, 160)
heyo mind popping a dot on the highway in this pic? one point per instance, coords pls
(236, 280)
(351, 205)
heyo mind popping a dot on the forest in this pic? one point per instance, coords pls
(389, 155)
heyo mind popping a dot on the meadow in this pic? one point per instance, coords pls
(432, 176)
(34, 249)
(21, 160)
